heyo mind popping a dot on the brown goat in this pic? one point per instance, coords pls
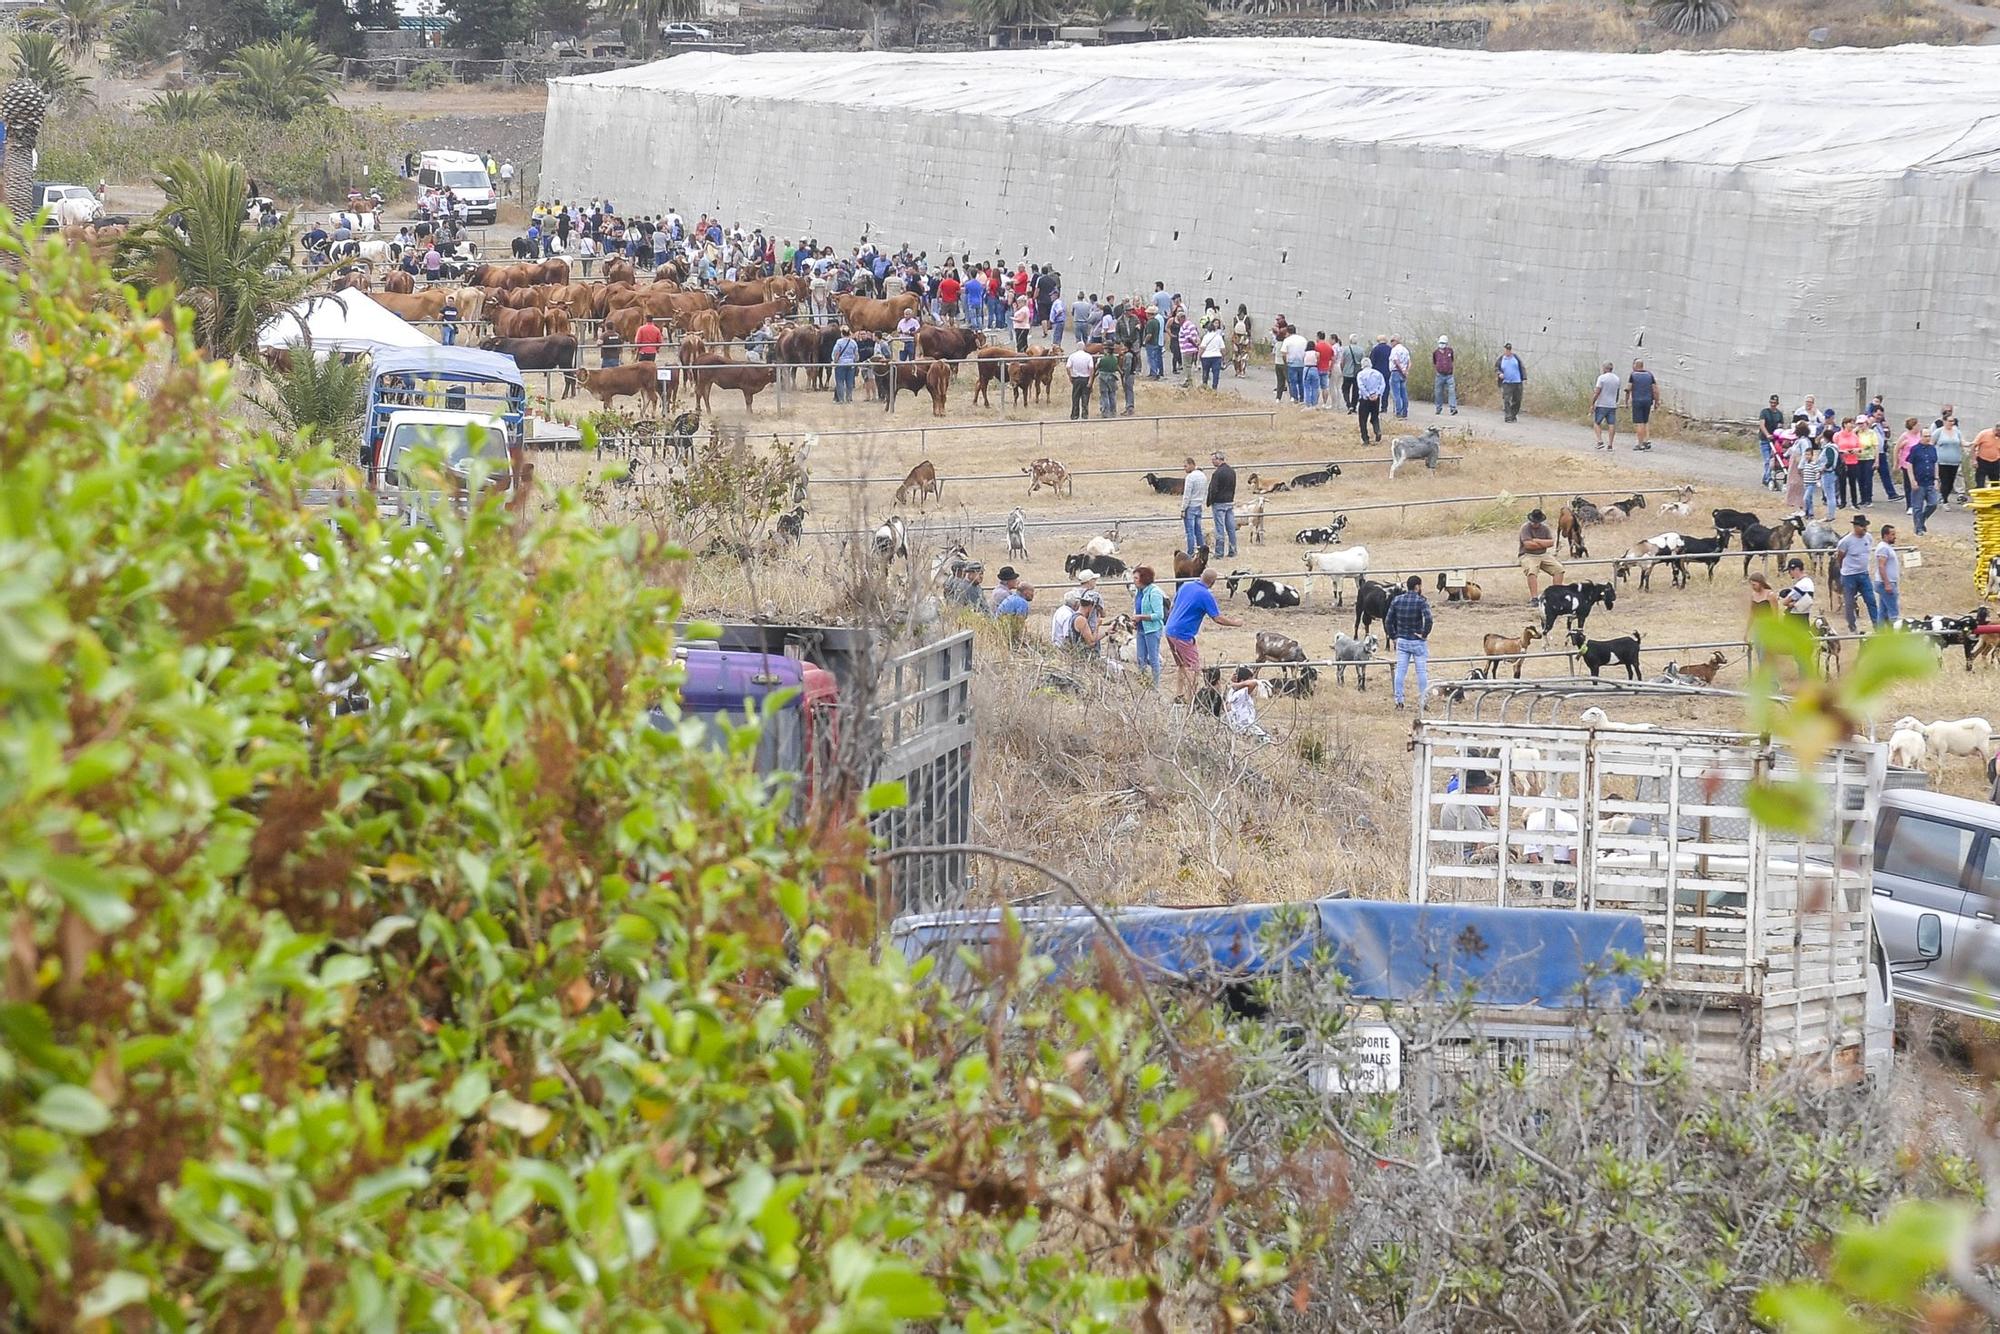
(1703, 672)
(1501, 648)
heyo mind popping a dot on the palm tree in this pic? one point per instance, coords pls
(38, 58)
(78, 24)
(320, 398)
(23, 105)
(280, 79)
(233, 277)
(995, 14)
(179, 106)
(1182, 18)
(144, 35)
(1691, 18)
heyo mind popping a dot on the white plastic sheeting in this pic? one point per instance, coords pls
(347, 322)
(1749, 223)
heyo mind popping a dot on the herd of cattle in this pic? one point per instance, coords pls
(535, 313)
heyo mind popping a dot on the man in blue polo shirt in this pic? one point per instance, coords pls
(1194, 602)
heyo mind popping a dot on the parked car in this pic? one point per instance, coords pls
(1937, 898)
(685, 32)
(52, 194)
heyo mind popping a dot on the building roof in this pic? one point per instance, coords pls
(1797, 113)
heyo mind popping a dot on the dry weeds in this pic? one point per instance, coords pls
(1115, 786)
(1761, 25)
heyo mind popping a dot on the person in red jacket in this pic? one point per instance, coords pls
(949, 289)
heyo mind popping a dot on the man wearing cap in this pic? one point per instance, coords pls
(1444, 382)
(1222, 504)
(1855, 555)
(1511, 374)
(1467, 814)
(1537, 551)
(1799, 598)
(1769, 422)
(963, 589)
(1194, 602)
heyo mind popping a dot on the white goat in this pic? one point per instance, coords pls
(1100, 546)
(1351, 563)
(1528, 781)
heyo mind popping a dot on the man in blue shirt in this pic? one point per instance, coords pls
(1194, 602)
(974, 296)
(846, 354)
(1512, 374)
(1408, 626)
(1920, 481)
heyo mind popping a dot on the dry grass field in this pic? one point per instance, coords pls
(1144, 803)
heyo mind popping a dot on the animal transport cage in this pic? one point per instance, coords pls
(904, 715)
(1765, 940)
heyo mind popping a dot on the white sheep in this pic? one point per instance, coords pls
(1906, 748)
(1100, 546)
(1528, 778)
(1962, 736)
(1598, 718)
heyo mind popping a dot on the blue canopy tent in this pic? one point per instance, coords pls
(462, 379)
(1550, 958)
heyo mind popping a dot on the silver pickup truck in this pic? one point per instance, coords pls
(1937, 899)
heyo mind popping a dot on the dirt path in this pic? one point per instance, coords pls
(1670, 459)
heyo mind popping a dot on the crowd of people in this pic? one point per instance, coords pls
(1821, 460)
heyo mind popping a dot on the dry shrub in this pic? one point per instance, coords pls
(1142, 802)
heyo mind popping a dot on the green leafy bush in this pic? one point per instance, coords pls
(489, 1006)
(316, 155)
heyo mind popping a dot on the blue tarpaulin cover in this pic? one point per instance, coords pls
(1388, 951)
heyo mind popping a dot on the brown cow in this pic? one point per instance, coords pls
(518, 323)
(949, 342)
(583, 300)
(555, 320)
(922, 483)
(640, 378)
(350, 280)
(424, 305)
(512, 298)
(706, 370)
(397, 281)
(879, 315)
(741, 321)
(703, 324)
(744, 293)
(551, 271)
(919, 377)
(992, 363)
(619, 271)
(1037, 368)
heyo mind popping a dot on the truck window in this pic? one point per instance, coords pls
(467, 180)
(1929, 851)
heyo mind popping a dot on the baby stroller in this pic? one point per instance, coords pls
(1781, 460)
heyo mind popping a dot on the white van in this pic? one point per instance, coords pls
(464, 174)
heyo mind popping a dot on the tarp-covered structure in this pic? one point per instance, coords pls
(347, 322)
(1748, 222)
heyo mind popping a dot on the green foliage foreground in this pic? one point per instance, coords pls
(490, 1006)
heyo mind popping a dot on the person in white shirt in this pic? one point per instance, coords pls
(1240, 710)
(1798, 599)
(1212, 346)
(1194, 495)
(1295, 365)
(1065, 617)
(506, 178)
(1399, 377)
(1081, 367)
(1604, 407)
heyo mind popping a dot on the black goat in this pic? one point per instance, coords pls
(1597, 652)
(1109, 566)
(1319, 537)
(1585, 511)
(1371, 604)
(1265, 593)
(1319, 478)
(1707, 550)
(1760, 540)
(1166, 486)
(1732, 520)
(1296, 682)
(1575, 601)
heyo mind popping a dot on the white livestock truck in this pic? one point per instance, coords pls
(1557, 795)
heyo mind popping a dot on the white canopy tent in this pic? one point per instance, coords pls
(346, 322)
